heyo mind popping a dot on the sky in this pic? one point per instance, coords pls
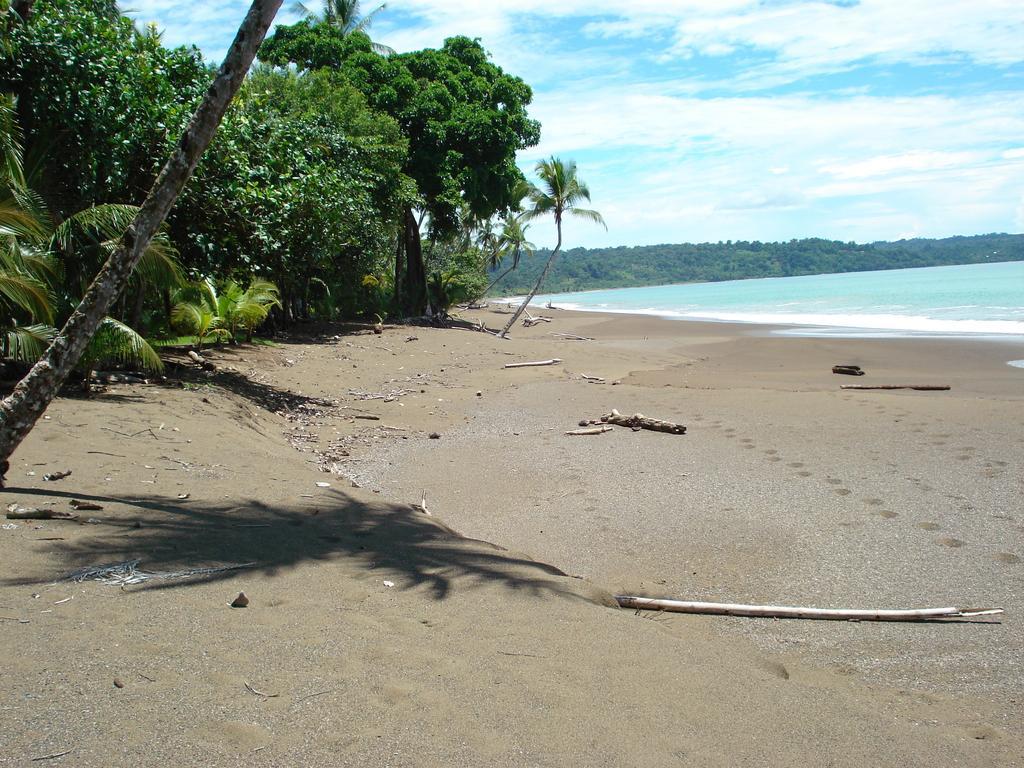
(712, 120)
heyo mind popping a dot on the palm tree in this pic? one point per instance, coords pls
(511, 240)
(204, 313)
(344, 16)
(559, 194)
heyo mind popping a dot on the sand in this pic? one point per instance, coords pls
(388, 637)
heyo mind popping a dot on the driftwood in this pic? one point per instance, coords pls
(201, 361)
(14, 512)
(529, 321)
(554, 361)
(638, 421)
(570, 336)
(595, 379)
(590, 430)
(922, 387)
(788, 612)
(848, 370)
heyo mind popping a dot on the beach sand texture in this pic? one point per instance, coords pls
(785, 489)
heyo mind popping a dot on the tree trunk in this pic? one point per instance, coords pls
(503, 275)
(23, 407)
(540, 281)
(138, 305)
(414, 302)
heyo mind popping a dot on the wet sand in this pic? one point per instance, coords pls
(785, 489)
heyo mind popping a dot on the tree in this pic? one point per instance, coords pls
(512, 240)
(23, 407)
(559, 194)
(464, 119)
(345, 16)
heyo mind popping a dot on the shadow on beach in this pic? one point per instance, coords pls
(168, 535)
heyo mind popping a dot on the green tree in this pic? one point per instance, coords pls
(464, 119)
(559, 194)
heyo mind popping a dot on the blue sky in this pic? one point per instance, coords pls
(707, 120)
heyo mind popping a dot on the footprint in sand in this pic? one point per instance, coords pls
(929, 526)
(770, 452)
(746, 440)
(1007, 557)
(949, 541)
(774, 458)
(964, 457)
(888, 514)
(843, 491)
(833, 481)
(804, 473)
(874, 502)
(795, 464)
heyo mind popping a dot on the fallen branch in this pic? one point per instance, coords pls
(848, 370)
(596, 379)
(590, 430)
(570, 336)
(422, 506)
(254, 692)
(787, 612)
(554, 361)
(529, 321)
(638, 421)
(922, 387)
(51, 757)
(14, 512)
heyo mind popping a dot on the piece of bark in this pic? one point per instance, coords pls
(639, 421)
(553, 361)
(922, 387)
(848, 370)
(791, 612)
(85, 506)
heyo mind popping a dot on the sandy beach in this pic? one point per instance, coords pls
(485, 633)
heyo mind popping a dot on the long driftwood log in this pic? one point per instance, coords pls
(553, 361)
(788, 612)
(922, 387)
(639, 421)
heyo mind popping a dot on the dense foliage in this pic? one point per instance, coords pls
(581, 269)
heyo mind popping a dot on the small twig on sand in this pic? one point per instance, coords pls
(104, 453)
(531, 655)
(553, 361)
(422, 506)
(570, 336)
(595, 379)
(54, 756)
(254, 692)
(313, 695)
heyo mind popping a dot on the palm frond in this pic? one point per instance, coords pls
(118, 343)
(27, 293)
(26, 343)
(585, 213)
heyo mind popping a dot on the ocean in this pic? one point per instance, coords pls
(970, 300)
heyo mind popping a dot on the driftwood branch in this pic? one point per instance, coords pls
(788, 612)
(638, 421)
(570, 336)
(922, 387)
(553, 361)
(848, 370)
(590, 430)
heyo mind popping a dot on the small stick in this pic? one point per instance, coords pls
(254, 692)
(422, 506)
(789, 612)
(590, 430)
(570, 336)
(598, 379)
(312, 695)
(366, 417)
(553, 361)
(923, 387)
(51, 757)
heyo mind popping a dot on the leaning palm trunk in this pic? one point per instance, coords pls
(20, 411)
(540, 281)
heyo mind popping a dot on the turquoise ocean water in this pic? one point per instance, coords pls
(977, 300)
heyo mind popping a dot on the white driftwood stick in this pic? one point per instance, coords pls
(570, 336)
(788, 612)
(554, 361)
(590, 430)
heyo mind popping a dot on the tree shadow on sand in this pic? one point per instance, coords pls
(169, 535)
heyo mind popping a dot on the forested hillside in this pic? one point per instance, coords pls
(581, 269)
